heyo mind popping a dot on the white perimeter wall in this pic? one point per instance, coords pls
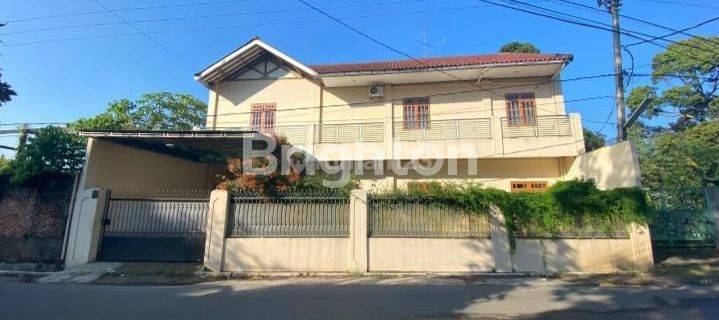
(286, 254)
(430, 255)
(360, 253)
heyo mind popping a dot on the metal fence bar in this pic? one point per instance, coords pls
(684, 218)
(423, 219)
(138, 217)
(289, 215)
(618, 230)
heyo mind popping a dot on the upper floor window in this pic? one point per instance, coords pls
(263, 117)
(416, 113)
(521, 109)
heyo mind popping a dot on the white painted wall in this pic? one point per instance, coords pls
(611, 167)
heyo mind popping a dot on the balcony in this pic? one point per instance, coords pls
(542, 136)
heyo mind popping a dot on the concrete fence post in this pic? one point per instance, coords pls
(215, 230)
(501, 249)
(358, 244)
(85, 228)
(642, 245)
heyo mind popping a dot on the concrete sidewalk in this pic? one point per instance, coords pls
(357, 298)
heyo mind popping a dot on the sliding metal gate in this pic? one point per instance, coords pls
(154, 227)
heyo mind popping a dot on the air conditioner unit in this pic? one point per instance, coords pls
(376, 91)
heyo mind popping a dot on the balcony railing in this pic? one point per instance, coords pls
(295, 134)
(541, 126)
(478, 128)
(349, 132)
(444, 130)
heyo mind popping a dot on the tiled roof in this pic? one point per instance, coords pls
(441, 62)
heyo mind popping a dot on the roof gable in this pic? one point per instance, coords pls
(246, 55)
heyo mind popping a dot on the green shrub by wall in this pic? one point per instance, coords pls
(565, 206)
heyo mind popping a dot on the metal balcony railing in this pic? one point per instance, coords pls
(295, 134)
(540, 126)
(349, 132)
(443, 129)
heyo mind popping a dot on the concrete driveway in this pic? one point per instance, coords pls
(356, 298)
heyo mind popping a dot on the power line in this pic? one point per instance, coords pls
(74, 14)
(559, 18)
(654, 24)
(682, 4)
(14, 131)
(217, 15)
(608, 27)
(377, 41)
(680, 31)
(606, 121)
(295, 21)
(364, 102)
(157, 43)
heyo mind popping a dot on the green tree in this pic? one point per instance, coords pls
(52, 151)
(687, 74)
(519, 47)
(118, 116)
(676, 160)
(152, 111)
(593, 140)
(6, 92)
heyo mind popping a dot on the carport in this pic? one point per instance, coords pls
(144, 194)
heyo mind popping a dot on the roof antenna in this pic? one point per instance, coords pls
(427, 46)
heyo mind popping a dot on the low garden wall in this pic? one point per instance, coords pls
(328, 234)
(585, 255)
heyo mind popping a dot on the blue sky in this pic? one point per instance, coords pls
(69, 67)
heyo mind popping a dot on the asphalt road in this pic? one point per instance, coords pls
(356, 298)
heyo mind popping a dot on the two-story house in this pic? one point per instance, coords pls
(497, 119)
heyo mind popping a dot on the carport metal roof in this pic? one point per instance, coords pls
(211, 146)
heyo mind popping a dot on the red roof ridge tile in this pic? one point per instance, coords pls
(441, 62)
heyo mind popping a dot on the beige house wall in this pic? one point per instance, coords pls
(494, 173)
(302, 104)
(299, 100)
(614, 166)
(115, 166)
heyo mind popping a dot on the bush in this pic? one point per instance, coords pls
(277, 182)
(565, 205)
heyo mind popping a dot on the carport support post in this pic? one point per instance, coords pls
(501, 249)
(358, 231)
(85, 227)
(215, 230)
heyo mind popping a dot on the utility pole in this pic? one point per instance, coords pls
(613, 7)
(22, 137)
